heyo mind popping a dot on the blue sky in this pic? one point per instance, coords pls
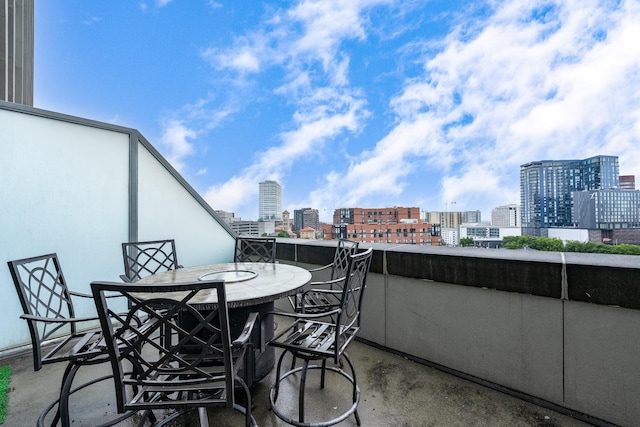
(351, 103)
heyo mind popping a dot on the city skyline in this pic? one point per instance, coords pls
(351, 103)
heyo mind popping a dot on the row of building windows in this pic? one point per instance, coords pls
(483, 232)
(404, 241)
(373, 233)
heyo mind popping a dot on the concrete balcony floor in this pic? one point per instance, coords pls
(394, 392)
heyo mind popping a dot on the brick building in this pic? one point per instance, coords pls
(396, 225)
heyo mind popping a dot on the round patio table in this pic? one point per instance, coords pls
(246, 283)
(250, 287)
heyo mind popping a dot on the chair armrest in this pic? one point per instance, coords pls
(327, 282)
(246, 331)
(82, 295)
(303, 316)
(324, 267)
(59, 320)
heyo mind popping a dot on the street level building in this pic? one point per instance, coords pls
(488, 236)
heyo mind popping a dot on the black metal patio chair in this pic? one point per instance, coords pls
(312, 301)
(142, 259)
(312, 340)
(48, 309)
(196, 368)
(255, 249)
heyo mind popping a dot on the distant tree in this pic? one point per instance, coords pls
(574, 246)
(555, 244)
(283, 234)
(518, 242)
(511, 242)
(466, 241)
(626, 249)
(551, 244)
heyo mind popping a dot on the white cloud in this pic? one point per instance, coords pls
(326, 105)
(315, 127)
(183, 128)
(175, 139)
(523, 81)
(564, 86)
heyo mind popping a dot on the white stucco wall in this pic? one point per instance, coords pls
(65, 189)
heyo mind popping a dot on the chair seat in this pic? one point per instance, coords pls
(78, 347)
(313, 338)
(319, 302)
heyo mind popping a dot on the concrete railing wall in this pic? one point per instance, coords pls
(558, 329)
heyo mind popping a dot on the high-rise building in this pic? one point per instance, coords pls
(270, 201)
(447, 219)
(311, 219)
(472, 216)
(546, 187)
(506, 216)
(298, 219)
(16, 51)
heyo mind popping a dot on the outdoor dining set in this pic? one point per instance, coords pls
(181, 340)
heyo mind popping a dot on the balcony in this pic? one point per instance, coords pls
(464, 337)
(451, 336)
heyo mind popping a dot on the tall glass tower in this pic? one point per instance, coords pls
(16, 51)
(270, 201)
(546, 187)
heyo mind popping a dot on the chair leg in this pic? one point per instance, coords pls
(303, 380)
(324, 368)
(355, 385)
(63, 406)
(249, 421)
(64, 376)
(204, 417)
(278, 370)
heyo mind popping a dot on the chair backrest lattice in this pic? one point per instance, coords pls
(142, 259)
(195, 360)
(352, 295)
(43, 292)
(255, 249)
(344, 250)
